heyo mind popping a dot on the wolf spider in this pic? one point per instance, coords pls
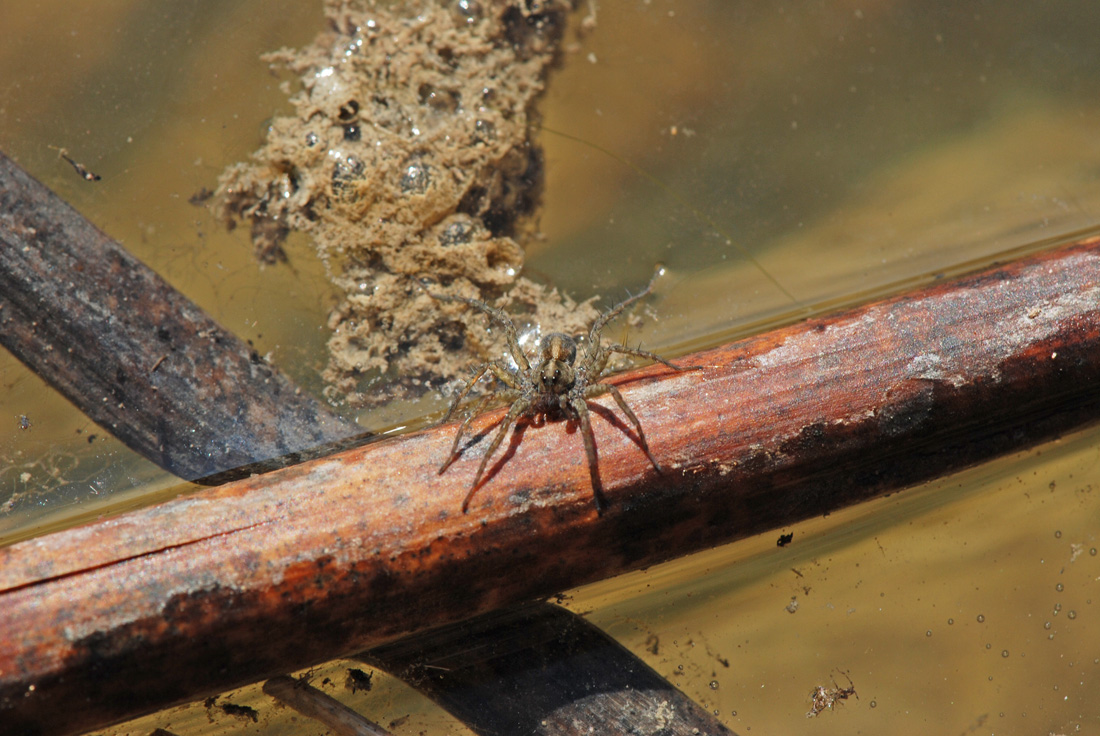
(555, 384)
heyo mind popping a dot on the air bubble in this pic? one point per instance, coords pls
(346, 169)
(1059, 587)
(981, 618)
(468, 11)
(416, 178)
(460, 230)
(484, 131)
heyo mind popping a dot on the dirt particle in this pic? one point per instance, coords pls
(358, 680)
(823, 698)
(242, 712)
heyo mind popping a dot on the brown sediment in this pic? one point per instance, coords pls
(410, 159)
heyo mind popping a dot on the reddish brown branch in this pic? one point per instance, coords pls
(284, 570)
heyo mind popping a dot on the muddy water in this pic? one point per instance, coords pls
(845, 149)
(967, 605)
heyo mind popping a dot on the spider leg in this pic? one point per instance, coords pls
(501, 372)
(598, 389)
(500, 318)
(462, 430)
(644, 354)
(595, 355)
(596, 365)
(519, 407)
(463, 393)
(580, 408)
(616, 310)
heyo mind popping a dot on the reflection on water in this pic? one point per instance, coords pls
(848, 147)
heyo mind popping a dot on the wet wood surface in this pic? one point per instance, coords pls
(280, 571)
(134, 354)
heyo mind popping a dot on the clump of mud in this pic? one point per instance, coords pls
(410, 162)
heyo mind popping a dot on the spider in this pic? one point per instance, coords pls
(555, 384)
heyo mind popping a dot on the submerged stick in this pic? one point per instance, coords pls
(282, 571)
(312, 703)
(135, 355)
(544, 671)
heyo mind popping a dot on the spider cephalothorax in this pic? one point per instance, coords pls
(557, 383)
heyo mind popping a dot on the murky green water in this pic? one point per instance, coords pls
(848, 148)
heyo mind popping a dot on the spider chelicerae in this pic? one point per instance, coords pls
(556, 383)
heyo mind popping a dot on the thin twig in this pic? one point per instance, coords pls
(312, 703)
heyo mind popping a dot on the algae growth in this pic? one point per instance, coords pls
(410, 161)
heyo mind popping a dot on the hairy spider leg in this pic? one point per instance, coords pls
(594, 349)
(595, 331)
(504, 373)
(597, 366)
(520, 406)
(501, 372)
(598, 389)
(580, 409)
(501, 319)
(639, 353)
(507, 397)
(462, 430)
